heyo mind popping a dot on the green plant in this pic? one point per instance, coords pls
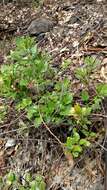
(81, 114)
(85, 96)
(13, 181)
(75, 144)
(84, 72)
(101, 90)
(65, 64)
(31, 82)
(101, 93)
(37, 3)
(35, 87)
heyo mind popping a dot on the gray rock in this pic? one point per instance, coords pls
(40, 25)
(10, 143)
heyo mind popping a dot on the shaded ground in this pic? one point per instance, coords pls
(81, 30)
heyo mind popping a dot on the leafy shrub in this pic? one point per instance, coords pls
(75, 144)
(30, 81)
(81, 113)
(84, 72)
(13, 181)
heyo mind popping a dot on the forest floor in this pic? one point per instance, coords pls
(81, 31)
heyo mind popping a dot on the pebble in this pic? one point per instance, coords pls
(10, 143)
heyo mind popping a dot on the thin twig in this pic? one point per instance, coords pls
(100, 115)
(101, 146)
(51, 131)
(62, 145)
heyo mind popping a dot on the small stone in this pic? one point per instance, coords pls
(74, 19)
(10, 143)
(40, 25)
(75, 44)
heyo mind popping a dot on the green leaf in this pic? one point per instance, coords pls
(28, 177)
(91, 62)
(92, 134)
(81, 73)
(39, 179)
(23, 82)
(66, 64)
(86, 111)
(65, 111)
(22, 188)
(62, 85)
(76, 137)
(85, 132)
(102, 90)
(24, 103)
(65, 83)
(32, 111)
(38, 184)
(78, 109)
(67, 98)
(96, 103)
(50, 107)
(34, 50)
(69, 143)
(77, 148)
(33, 185)
(85, 96)
(84, 142)
(75, 154)
(11, 177)
(38, 121)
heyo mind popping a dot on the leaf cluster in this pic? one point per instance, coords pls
(26, 182)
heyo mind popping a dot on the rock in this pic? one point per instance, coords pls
(74, 19)
(10, 143)
(40, 25)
